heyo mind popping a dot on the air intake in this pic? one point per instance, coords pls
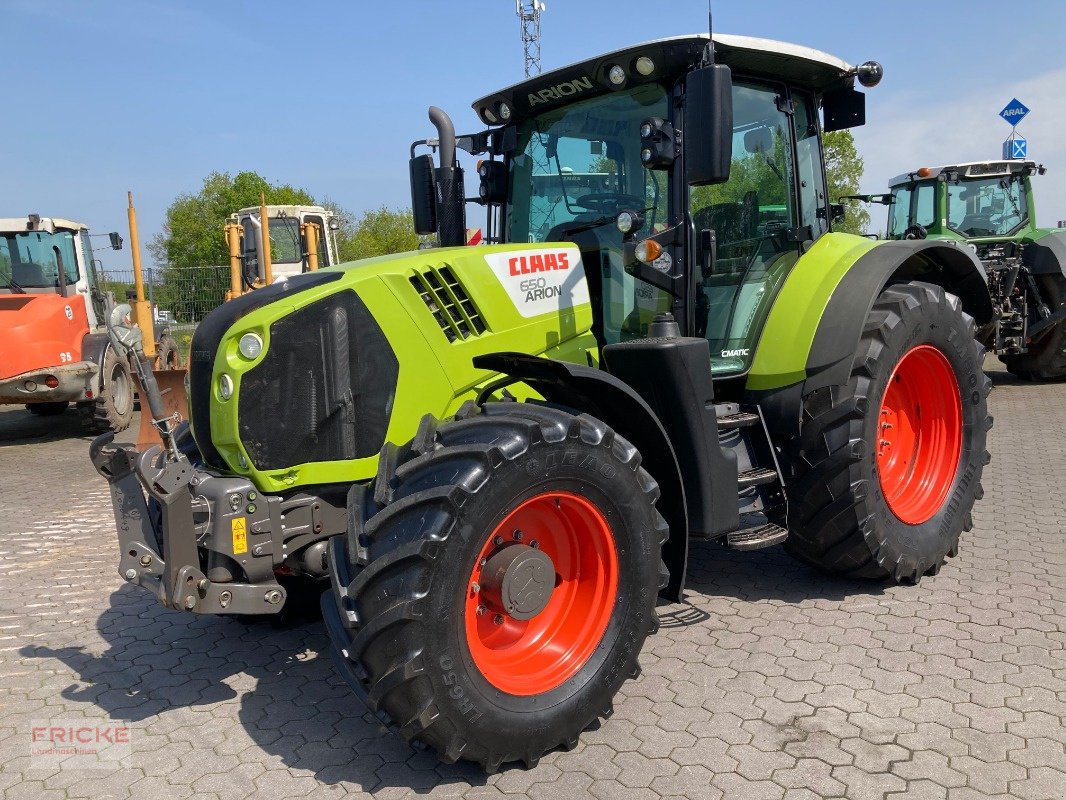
(449, 303)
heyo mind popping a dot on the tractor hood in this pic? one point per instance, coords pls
(39, 331)
(350, 357)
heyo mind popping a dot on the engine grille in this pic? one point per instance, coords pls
(449, 303)
(324, 390)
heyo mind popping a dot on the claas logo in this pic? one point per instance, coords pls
(546, 262)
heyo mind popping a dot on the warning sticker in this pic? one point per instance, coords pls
(542, 281)
(240, 535)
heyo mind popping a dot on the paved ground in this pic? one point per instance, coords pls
(773, 682)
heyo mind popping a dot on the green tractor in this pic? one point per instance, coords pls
(498, 456)
(989, 206)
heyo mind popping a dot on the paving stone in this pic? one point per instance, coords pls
(770, 681)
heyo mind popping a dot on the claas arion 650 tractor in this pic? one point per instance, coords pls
(989, 206)
(499, 455)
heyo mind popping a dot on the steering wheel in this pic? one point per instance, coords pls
(608, 202)
(915, 232)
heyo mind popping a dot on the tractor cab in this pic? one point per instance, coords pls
(983, 201)
(302, 239)
(689, 175)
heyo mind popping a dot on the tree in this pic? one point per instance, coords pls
(191, 247)
(378, 233)
(844, 167)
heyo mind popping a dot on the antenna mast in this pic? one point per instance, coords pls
(529, 12)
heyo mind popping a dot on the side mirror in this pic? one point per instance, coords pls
(116, 240)
(424, 194)
(708, 132)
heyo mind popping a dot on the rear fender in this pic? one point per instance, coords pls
(939, 262)
(1046, 255)
(599, 394)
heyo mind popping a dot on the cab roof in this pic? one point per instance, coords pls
(672, 56)
(969, 169)
(48, 224)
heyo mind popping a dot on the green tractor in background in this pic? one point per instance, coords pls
(989, 206)
(498, 455)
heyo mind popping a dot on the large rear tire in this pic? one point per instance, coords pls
(888, 466)
(112, 410)
(1046, 359)
(498, 581)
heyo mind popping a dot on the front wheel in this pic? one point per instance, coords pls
(112, 409)
(888, 466)
(498, 581)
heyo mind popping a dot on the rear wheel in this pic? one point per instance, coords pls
(888, 466)
(167, 353)
(1046, 359)
(112, 410)
(498, 581)
(47, 409)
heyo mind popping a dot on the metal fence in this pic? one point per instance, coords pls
(180, 296)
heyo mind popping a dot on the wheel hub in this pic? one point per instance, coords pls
(518, 580)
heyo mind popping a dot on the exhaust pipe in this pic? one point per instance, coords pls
(451, 195)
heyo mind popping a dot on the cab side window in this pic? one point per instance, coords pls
(813, 203)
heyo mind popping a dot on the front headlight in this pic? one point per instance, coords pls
(225, 386)
(250, 345)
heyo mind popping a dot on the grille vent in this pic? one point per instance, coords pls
(449, 303)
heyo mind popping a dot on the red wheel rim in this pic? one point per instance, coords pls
(919, 435)
(527, 657)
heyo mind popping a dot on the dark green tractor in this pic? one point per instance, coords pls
(989, 206)
(497, 456)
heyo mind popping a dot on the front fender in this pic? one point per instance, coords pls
(1046, 255)
(609, 399)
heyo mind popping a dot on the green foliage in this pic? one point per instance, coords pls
(192, 247)
(378, 233)
(844, 167)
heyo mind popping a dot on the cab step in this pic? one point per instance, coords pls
(756, 477)
(740, 419)
(756, 538)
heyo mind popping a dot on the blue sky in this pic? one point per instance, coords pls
(153, 95)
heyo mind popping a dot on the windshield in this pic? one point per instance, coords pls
(987, 207)
(581, 163)
(32, 260)
(285, 245)
(575, 168)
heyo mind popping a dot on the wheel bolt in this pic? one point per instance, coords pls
(535, 544)
(498, 619)
(481, 611)
(885, 443)
(517, 536)
(475, 587)
(484, 561)
(498, 540)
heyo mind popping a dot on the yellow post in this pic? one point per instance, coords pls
(142, 309)
(311, 243)
(233, 239)
(268, 269)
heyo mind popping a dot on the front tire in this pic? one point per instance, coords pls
(888, 466)
(112, 410)
(498, 581)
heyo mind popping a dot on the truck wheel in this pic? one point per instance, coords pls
(47, 409)
(167, 353)
(1046, 359)
(112, 410)
(498, 581)
(888, 466)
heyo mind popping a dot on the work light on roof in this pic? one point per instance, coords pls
(504, 111)
(488, 116)
(645, 66)
(616, 75)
